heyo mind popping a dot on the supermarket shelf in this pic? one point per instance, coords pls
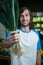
(4, 58)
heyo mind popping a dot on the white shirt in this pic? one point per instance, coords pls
(28, 41)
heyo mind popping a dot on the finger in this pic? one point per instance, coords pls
(14, 32)
(14, 41)
(11, 37)
(17, 36)
(17, 40)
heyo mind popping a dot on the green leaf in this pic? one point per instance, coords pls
(9, 13)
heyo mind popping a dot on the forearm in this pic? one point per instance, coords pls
(38, 58)
(5, 43)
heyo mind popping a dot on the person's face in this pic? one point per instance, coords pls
(25, 18)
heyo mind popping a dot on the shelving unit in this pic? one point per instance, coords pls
(38, 23)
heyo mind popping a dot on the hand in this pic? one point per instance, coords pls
(11, 40)
(14, 37)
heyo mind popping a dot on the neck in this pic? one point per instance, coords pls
(25, 28)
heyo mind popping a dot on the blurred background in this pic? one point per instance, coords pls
(36, 8)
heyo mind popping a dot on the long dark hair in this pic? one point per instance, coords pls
(31, 24)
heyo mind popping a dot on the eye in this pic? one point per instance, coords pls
(21, 16)
(27, 15)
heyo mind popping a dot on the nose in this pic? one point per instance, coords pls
(24, 18)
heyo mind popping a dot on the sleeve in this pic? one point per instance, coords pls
(39, 43)
(7, 34)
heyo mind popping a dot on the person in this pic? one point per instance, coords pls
(29, 38)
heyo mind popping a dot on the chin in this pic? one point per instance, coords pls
(25, 25)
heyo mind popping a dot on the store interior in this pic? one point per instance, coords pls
(37, 18)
